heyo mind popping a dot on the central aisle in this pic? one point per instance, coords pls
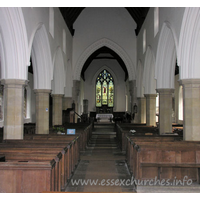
(102, 166)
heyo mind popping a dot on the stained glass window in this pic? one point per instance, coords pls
(111, 94)
(98, 94)
(104, 89)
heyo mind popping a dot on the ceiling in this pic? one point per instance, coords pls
(70, 14)
(106, 54)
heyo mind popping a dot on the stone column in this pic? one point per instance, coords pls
(191, 109)
(141, 114)
(67, 102)
(150, 109)
(165, 110)
(75, 94)
(133, 95)
(57, 109)
(13, 108)
(42, 110)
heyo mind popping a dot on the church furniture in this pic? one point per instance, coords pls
(23, 177)
(163, 159)
(45, 149)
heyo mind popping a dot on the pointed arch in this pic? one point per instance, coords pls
(166, 57)
(149, 81)
(97, 45)
(68, 80)
(189, 41)
(41, 58)
(58, 73)
(14, 44)
(139, 80)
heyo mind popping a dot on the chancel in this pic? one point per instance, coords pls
(124, 80)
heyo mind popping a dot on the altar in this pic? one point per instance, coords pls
(104, 117)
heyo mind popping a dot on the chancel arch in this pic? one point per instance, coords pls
(97, 45)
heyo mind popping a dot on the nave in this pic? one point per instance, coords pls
(102, 165)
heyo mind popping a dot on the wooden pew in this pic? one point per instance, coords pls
(176, 158)
(43, 157)
(39, 150)
(29, 177)
(143, 132)
(64, 166)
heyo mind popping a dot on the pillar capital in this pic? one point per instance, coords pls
(141, 98)
(14, 83)
(165, 90)
(57, 95)
(150, 95)
(37, 91)
(194, 83)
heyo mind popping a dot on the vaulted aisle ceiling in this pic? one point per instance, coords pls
(70, 14)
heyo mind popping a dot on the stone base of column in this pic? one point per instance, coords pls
(57, 109)
(165, 110)
(150, 109)
(191, 113)
(13, 108)
(42, 110)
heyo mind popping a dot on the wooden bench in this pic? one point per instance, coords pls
(178, 158)
(55, 155)
(123, 130)
(45, 155)
(131, 140)
(173, 165)
(29, 177)
(72, 148)
(45, 150)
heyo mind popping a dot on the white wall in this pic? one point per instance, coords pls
(171, 15)
(114, 24)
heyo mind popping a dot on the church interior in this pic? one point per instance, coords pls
(103, 94)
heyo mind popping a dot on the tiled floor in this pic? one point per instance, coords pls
(102, 165)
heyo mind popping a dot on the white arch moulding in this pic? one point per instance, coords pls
(14, 44)
(166, 57)
(41, 58)
(113, 46)
(149, 81)
(68, 79)
(139, 79)
(59, 72)
(189, 42)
